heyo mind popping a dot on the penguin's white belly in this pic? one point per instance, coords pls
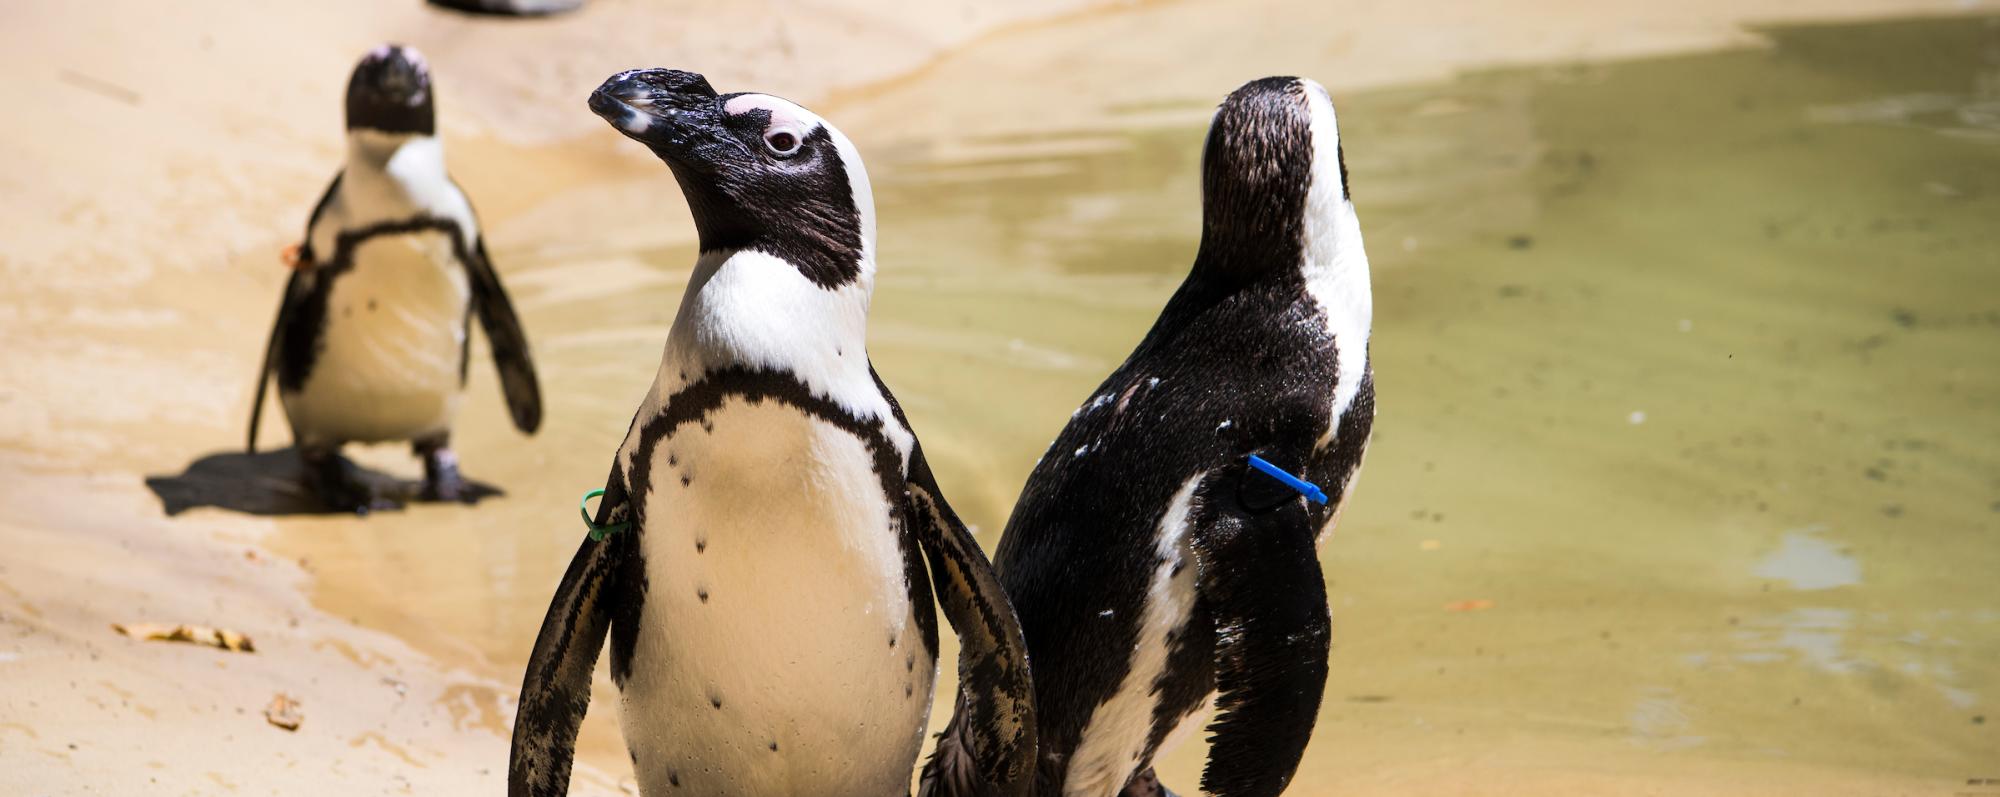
(389, 361)
(778, 652)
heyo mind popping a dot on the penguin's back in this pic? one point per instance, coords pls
(1096, 555)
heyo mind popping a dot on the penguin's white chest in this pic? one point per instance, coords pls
(391, 350)
(778, 652)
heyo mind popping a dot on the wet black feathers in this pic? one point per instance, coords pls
(505, 336)
(990, 745)
(800, 210)
(1260, 580)
(555, 690)
(1256, 170)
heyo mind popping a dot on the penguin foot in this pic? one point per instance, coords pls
(338, 484)
(441, 479)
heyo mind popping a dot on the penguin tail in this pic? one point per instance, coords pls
(952, 770)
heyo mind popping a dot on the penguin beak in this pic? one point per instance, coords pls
(674, 113)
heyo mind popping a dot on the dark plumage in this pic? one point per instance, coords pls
(1150, 566)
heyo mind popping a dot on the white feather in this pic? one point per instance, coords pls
(804, 590)
(751, 309)
(392, 177)
(1336, 267)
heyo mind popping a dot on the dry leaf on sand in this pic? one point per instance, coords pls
(284, 712)
(197, 634)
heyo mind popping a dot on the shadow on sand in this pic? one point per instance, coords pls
(272, 483)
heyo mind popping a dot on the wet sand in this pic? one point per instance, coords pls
(1728, 491)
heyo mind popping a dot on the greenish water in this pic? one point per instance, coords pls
(1688, 456)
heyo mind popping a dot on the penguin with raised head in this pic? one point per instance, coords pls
(372, 339)
(768, 520)
(1156, 573)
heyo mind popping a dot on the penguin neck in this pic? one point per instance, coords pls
(750, 309)
(405, 168)
(1243, 247)
(831, 239)
(1319, 259)
(1335, 264)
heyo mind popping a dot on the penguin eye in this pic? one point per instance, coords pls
(782, 142)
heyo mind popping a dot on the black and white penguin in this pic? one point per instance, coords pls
(372, 336)
(511, 8)
(764, 586)
(1156, 574)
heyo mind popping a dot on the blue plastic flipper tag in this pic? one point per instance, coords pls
(1308, 489)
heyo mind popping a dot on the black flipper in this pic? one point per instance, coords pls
(555, 692)
(989, 746)
(295, 291)
(509, 343)
(1258, 572)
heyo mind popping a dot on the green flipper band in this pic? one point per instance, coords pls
(598, 533)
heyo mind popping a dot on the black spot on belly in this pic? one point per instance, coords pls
(700, 544)
(702, 593)
(909, 689)
(892, 639)
(686, 480)
(715, 699)
(371, 305)
(910, 664)
(673, 778)
(672, 459)
(774, 746)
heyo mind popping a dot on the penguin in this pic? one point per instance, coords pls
(372, 338)
(1159, 578)
(511, 8)
(773, 535)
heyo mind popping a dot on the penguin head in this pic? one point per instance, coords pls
(759, 172)
(1274, 177)
(390, 93)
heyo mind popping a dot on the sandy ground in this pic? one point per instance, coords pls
(159, 155)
